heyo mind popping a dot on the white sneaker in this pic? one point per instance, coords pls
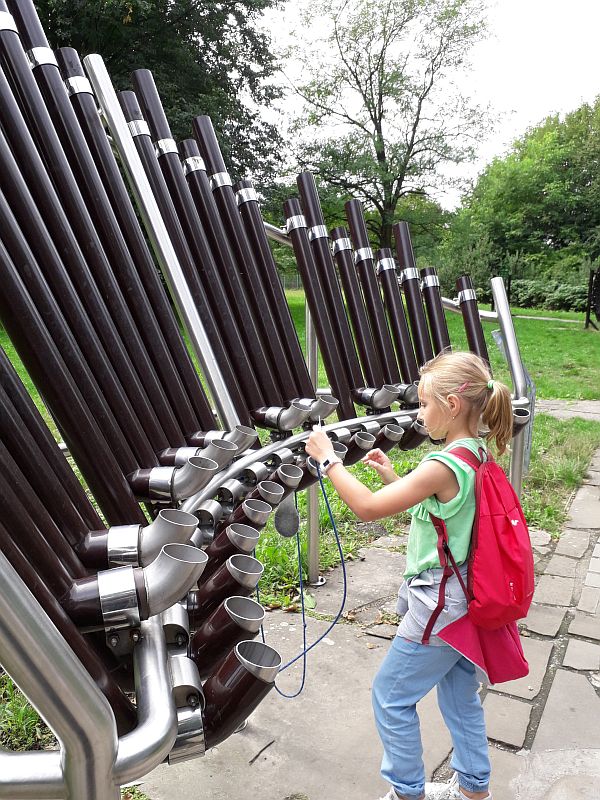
(447, 791)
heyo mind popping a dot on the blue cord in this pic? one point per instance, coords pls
(306, 649)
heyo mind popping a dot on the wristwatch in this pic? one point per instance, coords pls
(329, 462)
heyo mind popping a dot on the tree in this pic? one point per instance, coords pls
(539, 206)
(381, 116)
(207, 58)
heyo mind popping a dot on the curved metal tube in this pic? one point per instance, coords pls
(283, 419)
(222, 451)
(379, 398)
(172, 574)
(56, 683)
(170, 526)
(149, 744)
(192, 477)
(322, 407)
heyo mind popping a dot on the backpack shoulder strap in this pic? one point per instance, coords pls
(469, 457)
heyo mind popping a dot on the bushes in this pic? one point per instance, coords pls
(548, 294)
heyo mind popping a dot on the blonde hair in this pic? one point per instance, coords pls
(468, 376)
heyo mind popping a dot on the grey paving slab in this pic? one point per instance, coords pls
(593, 478)
(594, 565)
(506, 719)
(571, 714)
(585, 508)
(545, 620)
(570, 775)
(596, 553)
(537, 654)
(539, 538)
(506, 768)
(554, 591)
(587, 625)
(572, 543)
(593, 579)
(324, 742)
(377, 577)
(589, 600)
(582, 655)
(562, 565)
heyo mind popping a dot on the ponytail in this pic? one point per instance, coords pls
(498, 415)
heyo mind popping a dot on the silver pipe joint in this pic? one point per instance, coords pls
(172, 574)
(170, 526)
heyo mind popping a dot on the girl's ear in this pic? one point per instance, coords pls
(454, 404)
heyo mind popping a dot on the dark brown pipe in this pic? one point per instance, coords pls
(469, 308)
(227, 271)
(388, 437)
(73, 171)
(239, 575)
(245, 257)
(142, 288)
(128, 452)
(257, 382)
(229, 368)
(47, 368)
(318, 308)
(412, 292)
(237, 687)
(435, 310)
(47, 486)
(388, 277)
(235, 620)
(344, 258)
(363, 257)
(319, 240)
(414, 436)
(236, 538)
(360, 445)
(255, 230)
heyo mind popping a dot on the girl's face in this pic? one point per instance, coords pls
(434, 416)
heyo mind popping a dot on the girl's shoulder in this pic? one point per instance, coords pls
(448, 457)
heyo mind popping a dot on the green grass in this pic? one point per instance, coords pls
(561, 359)
(20, 725)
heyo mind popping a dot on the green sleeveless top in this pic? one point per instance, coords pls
(458, 514)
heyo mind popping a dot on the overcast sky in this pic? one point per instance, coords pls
(542, 57)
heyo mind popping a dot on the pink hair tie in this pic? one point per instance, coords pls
(464, 386)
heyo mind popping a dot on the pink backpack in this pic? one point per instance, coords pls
(500, 578)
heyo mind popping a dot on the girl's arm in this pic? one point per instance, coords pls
(428, 479)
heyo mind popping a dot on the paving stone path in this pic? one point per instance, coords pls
(544, 729)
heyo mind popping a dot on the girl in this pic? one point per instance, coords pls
(456, 396)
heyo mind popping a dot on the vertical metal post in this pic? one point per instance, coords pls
(515, 365)
(45, 668)
(312, 493)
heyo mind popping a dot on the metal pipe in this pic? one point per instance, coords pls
(364, 262)
(515, 365)
(256, 380)
(37, 657)
(249, 207)
(173, 483)
(435, 312)
(369, 357)
(312, 497)
(141, 287)
(315, 297)
(198, 184)
(172, 574)
(39, 249)
(246, 260)
(388, 277)
(325, 273)
(48, 369)
(467, 300)
(160, 239)
(412, 293)
(74, 174)
(31, 421)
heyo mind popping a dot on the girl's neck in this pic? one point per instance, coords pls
(461, 430)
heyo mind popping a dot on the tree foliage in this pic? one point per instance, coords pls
(207, 58)
(381, 114)
(538, 208)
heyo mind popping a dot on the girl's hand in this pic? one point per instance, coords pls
(319, 446)
(378, 461)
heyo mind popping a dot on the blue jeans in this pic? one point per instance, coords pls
(408, 672)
